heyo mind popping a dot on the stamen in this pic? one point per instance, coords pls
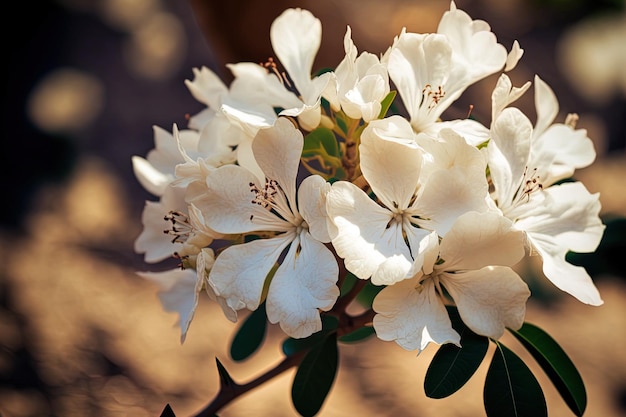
(265, 197)
(270, 66)
(530, 183)
(182, 259)
(433, 95)
(571, 120)
(181, 227)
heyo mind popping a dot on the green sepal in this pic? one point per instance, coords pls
(315, 376)
(386, 103)
(250, 335)
(453, 366)
(357, 335)
(329, 325)
(511, 389)
(556, 364)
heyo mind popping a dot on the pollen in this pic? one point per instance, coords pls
(530, 183)
(265, 197)
(432, 95)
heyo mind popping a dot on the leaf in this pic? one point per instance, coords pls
(453, 366)
(368, 293)
(322, 142)
(291, 345)
(168, 412)
(250, 335)
(348, 283)
(511, 389)
(386, 104)
(556, 364)
(357, 335)
(315, 377)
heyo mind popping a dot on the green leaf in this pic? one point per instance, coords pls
(321, 141)
(357, 335)
(348, 283)
(167, 411)
(556, 364)
(386, 104)
(368, 293)
(315, 377)
(511, 389)
(291, 346)
(453, 366)
(250, 335)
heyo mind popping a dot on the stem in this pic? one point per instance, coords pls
(229, 392)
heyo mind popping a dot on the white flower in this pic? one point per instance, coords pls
(362, 83)
(489, 298)
(432, 70)
(180, 289)
(286, 221)
(230, 121)
(524, 164)
(296, 36)
(178, 293)
(171, 227)
(382, 239)
(157, 171)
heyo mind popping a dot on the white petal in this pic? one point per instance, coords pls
(477, 240)
(277, 150)
(363, 238)
(206, 87)
(413, 317)
(255, 83)
(546, 104)
(418, 62)
(559, 151)
(390, 167)
(304, 284)
(239, 272)
(153, 242)
(509, 151)
(153, 180)
(447, 195)
(474, 45)
(228, 204)
(178, 294)
(204, 263)
(489, 299)
(312, 206)
(474, 132)
(513, 57)
(569, 214)
(504, 94)
(572, 279)
(166, 154)
(296, 36)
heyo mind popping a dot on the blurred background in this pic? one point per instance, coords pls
(86, 80)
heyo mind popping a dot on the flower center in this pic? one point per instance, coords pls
(530, 184)
(272, 198)
(180, 228)
(432, 96)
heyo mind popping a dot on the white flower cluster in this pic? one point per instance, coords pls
(259, 206)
